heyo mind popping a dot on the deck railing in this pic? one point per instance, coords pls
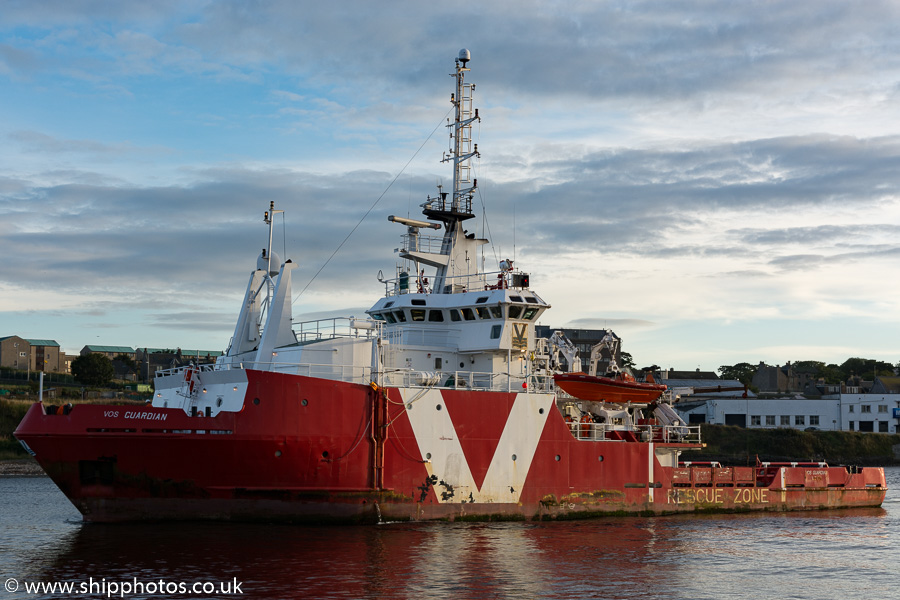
(683, 434)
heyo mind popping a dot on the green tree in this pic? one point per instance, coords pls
(866, 368)
(742, 372)
(126, 360)
(92, 369)
(832, 374)
(627, 360)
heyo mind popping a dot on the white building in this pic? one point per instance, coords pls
(871, 412)
(840, 408)
(756, 413)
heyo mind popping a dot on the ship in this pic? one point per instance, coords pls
(439, 404)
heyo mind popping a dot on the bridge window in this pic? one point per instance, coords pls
(515, 311)
(454, 315)
(529, 313)
(417, 314)
(515, 298)
(468, 314)
(435, 316)
(496, 311)
(390, 318)
(481, 300)
(401, 316)
(495, 331)
(483, 312)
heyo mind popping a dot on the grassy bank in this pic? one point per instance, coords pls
(11, 413)
(737, 445)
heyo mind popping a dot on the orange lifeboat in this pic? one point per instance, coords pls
(619, 389)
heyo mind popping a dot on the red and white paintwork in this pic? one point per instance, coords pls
(441, 405)
(352, 453)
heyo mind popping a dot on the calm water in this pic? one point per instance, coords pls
(845, 555)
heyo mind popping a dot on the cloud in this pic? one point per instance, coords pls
(651, 162)
(599, 323)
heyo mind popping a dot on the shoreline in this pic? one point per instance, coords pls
(21, 467)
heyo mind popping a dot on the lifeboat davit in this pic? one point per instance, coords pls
(620, 388)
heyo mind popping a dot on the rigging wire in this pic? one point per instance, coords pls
(371, 208)
(486, 227)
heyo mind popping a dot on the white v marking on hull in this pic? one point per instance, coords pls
(436, 436)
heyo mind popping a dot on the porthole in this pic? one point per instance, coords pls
(600, 458)
(428, 456)
(558, 457)
(514, 457)
(325, 454)
(462, 365)
(304, 402)
(277, 453)
(540, 411)
(256, 401)
(219, 401)
(409, 406)
(439, 407)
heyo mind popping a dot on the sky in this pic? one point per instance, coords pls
(717, 182)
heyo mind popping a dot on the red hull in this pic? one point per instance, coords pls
(607, 389)
(318, 450)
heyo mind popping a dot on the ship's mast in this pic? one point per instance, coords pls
(456, 263)
(462, 149)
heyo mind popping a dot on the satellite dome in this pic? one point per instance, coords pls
(274, 264)
(464, 56)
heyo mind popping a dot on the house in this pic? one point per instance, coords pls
(583, 339)
(151, 360)
(782, 378)
(46, 356)
(14, 352)
(31, 355)
(109, 351)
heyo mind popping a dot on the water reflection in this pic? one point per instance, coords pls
(806, 555)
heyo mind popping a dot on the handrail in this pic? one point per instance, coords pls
(669, 434)
(414, 282)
